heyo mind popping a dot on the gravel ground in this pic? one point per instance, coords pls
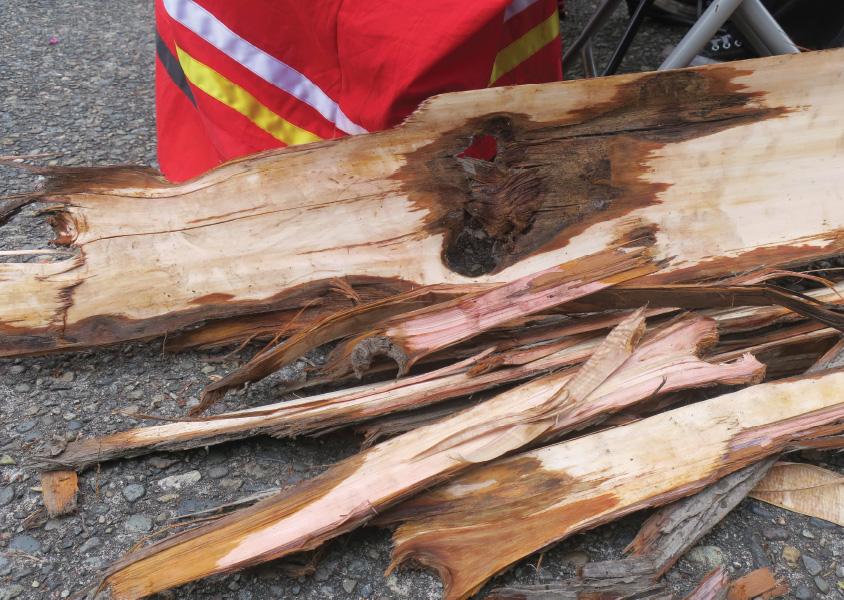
(89, 97)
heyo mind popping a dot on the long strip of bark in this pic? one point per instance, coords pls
(485, 520)
(344, 407)
(672, 530)
(408, 337)
(608, 580)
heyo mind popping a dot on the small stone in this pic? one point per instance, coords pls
(36, 584)
(7, 494)
(365, 590)
(140, 523)
(7, 460)
(23, 388)
(706, 557)
(324, 570)
(17, 369)
(822, 585)
(813, 567)
(25, 543)
(804, 593)
(52, 524)
(839, 570)
(209, 369)
(349, 585)
(791, 555)
(167, 497)
(231, 484)
(11, 591)
(254, 470)
(136, 395)
(25, 426)
(576, 559)
(65, 593)
(133, 492)
(777, 534)
(5, 567)
(807, 534)
(90, 544)
(161, 463)
(177, 482)
(67, 376)
(218, 472)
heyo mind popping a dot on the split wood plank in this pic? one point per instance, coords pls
(691, 159)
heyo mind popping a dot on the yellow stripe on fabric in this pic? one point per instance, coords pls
(232, 95)
(526, 46)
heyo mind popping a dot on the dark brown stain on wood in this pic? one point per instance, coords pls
(550, 181)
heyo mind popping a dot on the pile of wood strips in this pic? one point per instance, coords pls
(619, 253)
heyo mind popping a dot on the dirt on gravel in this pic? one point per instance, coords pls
(76, 80)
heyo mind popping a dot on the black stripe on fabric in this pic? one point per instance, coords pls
(173, 68)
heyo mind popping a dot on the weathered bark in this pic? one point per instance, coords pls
(689, 158)
(484, 520)
(610, 580)
(672, 530)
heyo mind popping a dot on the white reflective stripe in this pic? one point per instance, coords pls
(267, 67)
(517, 6)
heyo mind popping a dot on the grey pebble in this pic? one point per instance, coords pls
(823, 586)
(11, 591)
(365, 590)
(133, 492)
(23, 388)
(804, 593)
(90, 544)
(812, 566)
(17, 369)
(324, 571)
(777, 534)
(231, 483)
(760, 559)
(25, 543)
(141, 523)
(25, 426)
(349, 585)
(5, 567)
(218, 472)
(7, 494)
(808, 534)
(839, 570)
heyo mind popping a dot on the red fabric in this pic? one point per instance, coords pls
(378, 60)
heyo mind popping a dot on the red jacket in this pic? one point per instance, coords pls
(234, 78)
